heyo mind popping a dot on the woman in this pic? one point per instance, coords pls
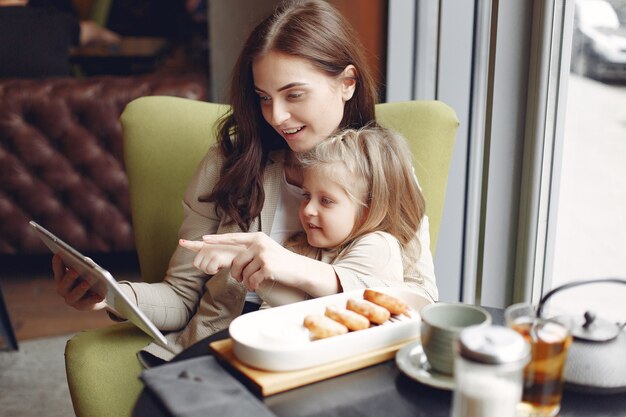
(300, 77)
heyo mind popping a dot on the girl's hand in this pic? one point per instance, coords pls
(211, 258)
(75, 291)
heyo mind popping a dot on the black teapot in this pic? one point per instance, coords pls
(596, 361)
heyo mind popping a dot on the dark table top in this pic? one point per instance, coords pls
(133, 55)
(383, 390)
(128, 47)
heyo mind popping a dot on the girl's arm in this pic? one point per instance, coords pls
(373, 260)
(377, 259)
(419, 268)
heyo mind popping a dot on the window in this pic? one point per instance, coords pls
(533, 172)
(590, 219)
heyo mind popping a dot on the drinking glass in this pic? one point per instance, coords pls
(549, 340)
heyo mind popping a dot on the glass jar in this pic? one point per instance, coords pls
(488, 372)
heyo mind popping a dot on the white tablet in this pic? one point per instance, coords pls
(101, 280)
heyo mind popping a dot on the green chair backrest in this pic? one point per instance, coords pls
(166, 137)
(164, 140)
(99, 12)
(430, 128)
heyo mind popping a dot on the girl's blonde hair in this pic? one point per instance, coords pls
(374, 167)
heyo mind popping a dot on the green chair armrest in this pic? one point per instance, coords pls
(103, 371)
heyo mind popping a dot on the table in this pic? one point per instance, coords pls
(133, 55)
(383, 390)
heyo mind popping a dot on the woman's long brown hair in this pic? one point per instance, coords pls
(311, 30)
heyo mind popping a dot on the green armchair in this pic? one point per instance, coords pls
(164, 140)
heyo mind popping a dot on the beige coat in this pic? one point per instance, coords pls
(192, 307)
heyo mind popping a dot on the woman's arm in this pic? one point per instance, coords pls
(170, 304)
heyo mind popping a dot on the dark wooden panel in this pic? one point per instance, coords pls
(369, 19)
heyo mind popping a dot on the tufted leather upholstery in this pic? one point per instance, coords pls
(61, 160)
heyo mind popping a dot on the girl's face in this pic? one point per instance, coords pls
(327, 213)
(300, 102)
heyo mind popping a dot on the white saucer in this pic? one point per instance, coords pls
(412, 361)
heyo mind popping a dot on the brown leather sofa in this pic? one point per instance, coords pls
(61, 160)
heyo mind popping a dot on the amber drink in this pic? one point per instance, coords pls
(549, 341)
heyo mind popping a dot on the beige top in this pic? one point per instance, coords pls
(374, 258)
(192, 307)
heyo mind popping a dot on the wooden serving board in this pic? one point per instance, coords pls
(269, 383)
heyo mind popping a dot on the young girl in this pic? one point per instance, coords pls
(300, 77)
(360, 210)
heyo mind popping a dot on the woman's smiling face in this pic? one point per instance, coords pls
(300, 102)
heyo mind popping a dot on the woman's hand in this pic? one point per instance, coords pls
(259, 258)
(211, 258)
(91, 32)
(75, 291)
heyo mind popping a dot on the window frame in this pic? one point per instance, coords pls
(504, 71)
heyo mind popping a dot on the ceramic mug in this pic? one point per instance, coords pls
(441, 325)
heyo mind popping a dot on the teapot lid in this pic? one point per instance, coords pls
(591, 329)
(594, 329)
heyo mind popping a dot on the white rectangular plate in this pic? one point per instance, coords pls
(274, 339)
